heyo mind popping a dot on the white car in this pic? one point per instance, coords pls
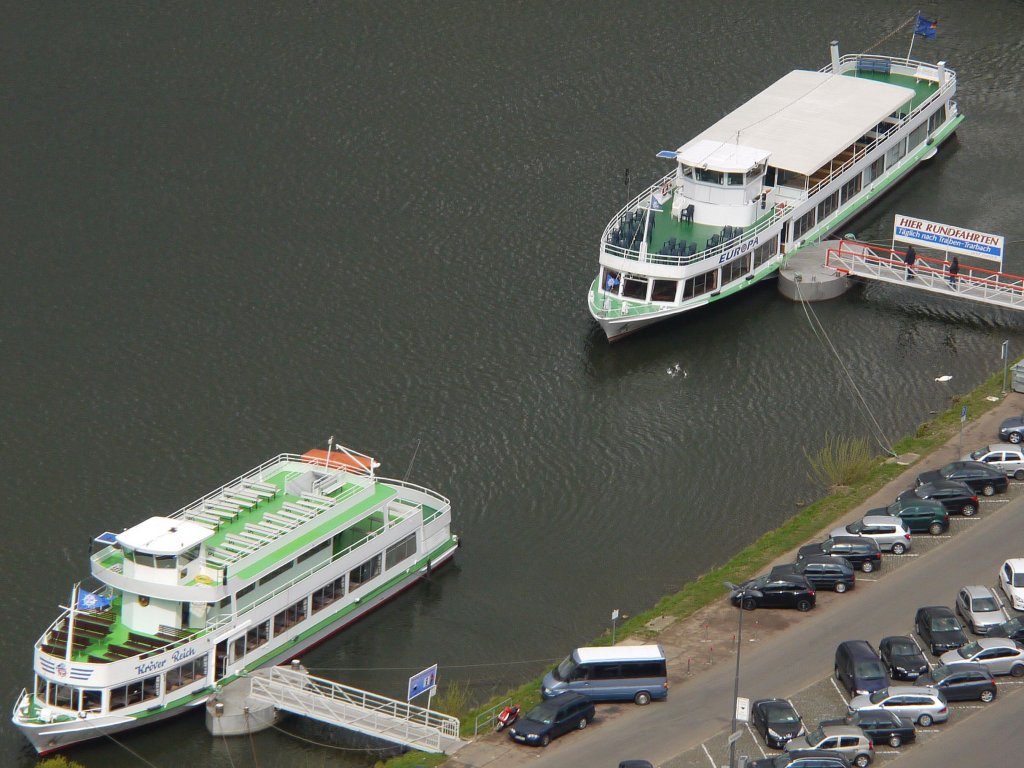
(890, 533)
(1011, 580)
(1005, 456)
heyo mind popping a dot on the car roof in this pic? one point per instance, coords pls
(1016, 564)
(978, 590)
(991, 447)
(1013, 421)
(911, 690)
(842, 730)
(942, 671)
(997, 642)
(882, 520)
(936, 485)
(932, 610)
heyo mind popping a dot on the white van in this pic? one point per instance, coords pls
(636, 672)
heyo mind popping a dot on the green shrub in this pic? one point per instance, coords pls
(842, 461)
(58, 762)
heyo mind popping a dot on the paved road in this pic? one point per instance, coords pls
(803, 654)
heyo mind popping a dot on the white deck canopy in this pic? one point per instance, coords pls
(163, 536)
(729, 158)
(804, 119)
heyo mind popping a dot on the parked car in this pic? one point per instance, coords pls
(960, 682)
(939, 629)
(777, 592)
(979, 477)
(858, 667)
(848, 740)
(552, 718)
(880, 725)
(823, 571)
(1012, 429)
(979, 608)
(776, 720)
(956, 497)
(902, 657)
(1013, 629)
(805, 758)
(923, 706)
(1006, 457)
(999, 655)
(1011, 581)
(888, 532)
(919, 515)
(862, 554)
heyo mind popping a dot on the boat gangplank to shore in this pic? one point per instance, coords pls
(249, 575)
(785, 169)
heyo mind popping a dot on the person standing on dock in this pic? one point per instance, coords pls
(954, 270)
(909, 258)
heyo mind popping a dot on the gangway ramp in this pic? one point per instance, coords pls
(296, 691)
(929, 274)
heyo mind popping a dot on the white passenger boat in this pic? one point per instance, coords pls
(785, 169)
(247, 576)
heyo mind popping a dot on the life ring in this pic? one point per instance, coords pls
(202, 578)
(664, 188)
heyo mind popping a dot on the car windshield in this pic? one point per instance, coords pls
(817, 736)
(542, 713)
(944, 624)
(978, 454)
(855, 527)
(564, 670)
(903, 648)
(781, 713)
(1012, 625)
(1018, 579)
(969, 650)
(878, 696)
(985, 604)
(948, 470)
(869, 670)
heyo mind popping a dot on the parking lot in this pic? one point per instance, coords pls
(826, 699)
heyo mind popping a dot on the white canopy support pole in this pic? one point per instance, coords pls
(330, 444)
(71, 622)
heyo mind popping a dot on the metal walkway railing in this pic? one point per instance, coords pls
(297, 692)
(927, 274)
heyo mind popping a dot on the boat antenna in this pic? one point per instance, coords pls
(408, 471)
(626, 182)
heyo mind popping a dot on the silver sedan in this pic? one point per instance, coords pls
(1001, 655)
(923, 706)
(890, 533)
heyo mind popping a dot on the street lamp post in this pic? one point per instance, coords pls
(741, 594)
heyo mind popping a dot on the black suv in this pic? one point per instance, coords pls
(939, 628)
(862, 553)
(551, 718)
(902, 657)
(776, 592)
(919, 515)
(880, 725)
(976, 475)
(1013, 629)
(961, 682)
(803, 758)
(823, 571)
(956, 497)
(859, 669)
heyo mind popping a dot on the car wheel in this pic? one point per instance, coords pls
(749, 604)
(582, 723)
(1015, 437)
(643, 698)
(1019, 474)
(895, 740)
(934, 529)
(1018, 671)
(868, 567)
(967, 510)
(840, 586)
(545, 740)
(803, 606)
(862, 761)
(898, 549)
(924, 721)
(987, 695)
(988, 490)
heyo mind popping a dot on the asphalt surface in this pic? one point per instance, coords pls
(690, 729)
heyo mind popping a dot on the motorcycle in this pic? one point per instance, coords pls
(507, 716)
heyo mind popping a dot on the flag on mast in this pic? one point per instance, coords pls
(926, 28)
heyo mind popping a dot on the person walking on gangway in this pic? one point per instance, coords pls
(909, 258)
(954, 270)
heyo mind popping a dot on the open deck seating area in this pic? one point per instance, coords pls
(873, 69)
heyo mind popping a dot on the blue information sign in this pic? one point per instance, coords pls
(422, 682)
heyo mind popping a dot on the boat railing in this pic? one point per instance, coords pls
(908, 68)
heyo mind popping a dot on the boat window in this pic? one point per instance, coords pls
(143, 558)
(734, 179)
(803, 224)
(734, 270)
(664, 290)
(917, 136)
(186, 673)
(399, 551)
(314, 551)
(328, 594)
(687, 171)
(876, 169)
(634, 288)
(363, 573)
(700, 284)
(765, 251)
(710, 177)
(937, 119)
(827, 206)
(244, 591)
(129, 553)
(895, 153)
(137, 691)
(756, 171)
(784, 178)
(274, 574)
(189, 555)
(166, 561)
(850, 188)
(289, 617)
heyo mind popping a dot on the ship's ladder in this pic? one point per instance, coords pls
(926, 274)
(294, 690)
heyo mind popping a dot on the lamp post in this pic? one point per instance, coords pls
(945, 379)
(741, 594)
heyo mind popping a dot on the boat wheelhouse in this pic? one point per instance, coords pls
(249, 575)
(785, 169)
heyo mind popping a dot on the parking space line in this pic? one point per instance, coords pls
(841, 696)
(971, 706)
(905, 554)
(861, 578)
(886, 752)
(710, 759)
(758, 743)
(925, 655)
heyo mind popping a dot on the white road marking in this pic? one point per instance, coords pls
(971, 706)
(862, 578)
(914, 638)
(841, 696)
(758, 743)
(710, 760)
(905, 554)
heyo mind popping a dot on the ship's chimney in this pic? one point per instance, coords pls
(942, 73)
(834, 47)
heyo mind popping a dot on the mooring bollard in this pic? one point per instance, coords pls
(688, 660)
(754, 638)
(711, 654)
(707, 628)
